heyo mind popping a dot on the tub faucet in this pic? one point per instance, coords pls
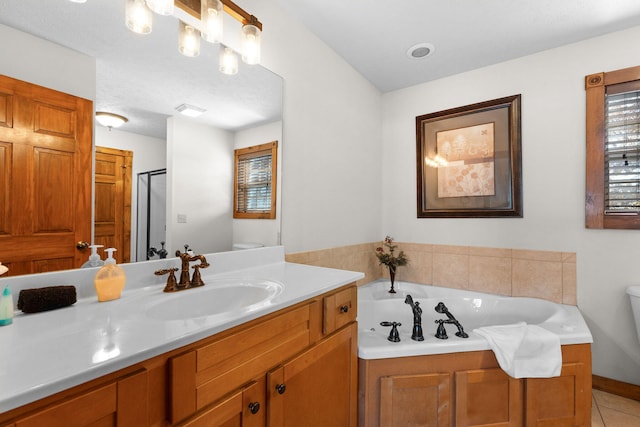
(441, 331)
(416, 335)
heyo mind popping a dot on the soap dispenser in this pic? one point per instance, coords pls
(110, 279)
(6, 307)
(94, 258)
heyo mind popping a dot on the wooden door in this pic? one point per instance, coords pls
(318, 388)
(45, 179)
(112, 223)
(415, 400)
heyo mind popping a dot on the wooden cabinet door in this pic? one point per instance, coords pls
(415, 400)
(317, 388)
(560, 401)
(45, 177)
(245, 408)
(488, 397)
(122, 403)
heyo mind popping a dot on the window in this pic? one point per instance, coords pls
(255, 181)
(613, 149)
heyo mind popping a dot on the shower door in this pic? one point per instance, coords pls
(152, 209)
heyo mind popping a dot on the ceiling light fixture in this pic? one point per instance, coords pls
(228, 61)
(138, 16)
(210, 14)
(190, 110)
(420, 50)
(188, 40)
(110, 120)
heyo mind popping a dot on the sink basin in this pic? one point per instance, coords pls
(215, 298)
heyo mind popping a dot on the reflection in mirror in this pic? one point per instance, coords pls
(144, 78)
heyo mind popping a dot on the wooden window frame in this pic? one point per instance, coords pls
(595, 87)
(254, 151)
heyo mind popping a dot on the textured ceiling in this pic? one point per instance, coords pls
(145, 77)
(374, 35)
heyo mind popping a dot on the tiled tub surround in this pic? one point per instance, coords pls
(512, 272)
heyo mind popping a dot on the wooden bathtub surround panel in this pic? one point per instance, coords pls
(313, 400)
(488, 397)
(204, 375)
(422, 399)
(557, 402)
(481, 393)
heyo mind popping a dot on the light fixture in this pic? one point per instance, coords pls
(420, 50)
(211, 15)
(190, 110)
(188, 40)
(251, 44)
(110, 120)
(209, 27)
(78, 1)
(161, 7)
(138, 16)
(228, 61)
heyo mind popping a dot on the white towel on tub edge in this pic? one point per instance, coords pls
(524, 351)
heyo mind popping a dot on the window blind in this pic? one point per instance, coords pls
(254, 183)
(622, 153)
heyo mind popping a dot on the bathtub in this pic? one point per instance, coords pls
(471, 309)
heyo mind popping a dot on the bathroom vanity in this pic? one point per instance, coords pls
(289, 362)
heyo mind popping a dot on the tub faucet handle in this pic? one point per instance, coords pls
(394, 336)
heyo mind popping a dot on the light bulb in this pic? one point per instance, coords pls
(228, 61)
(188, 40)
(251, 44)
(211, 13)
(138, 17)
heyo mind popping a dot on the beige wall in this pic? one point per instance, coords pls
(512, 272)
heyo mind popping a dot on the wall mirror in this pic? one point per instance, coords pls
(144, 78)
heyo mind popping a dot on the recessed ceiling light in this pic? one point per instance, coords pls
(190, 110)
(420, 50)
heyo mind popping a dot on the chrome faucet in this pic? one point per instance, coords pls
(185, 282)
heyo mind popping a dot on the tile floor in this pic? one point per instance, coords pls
(609, 410)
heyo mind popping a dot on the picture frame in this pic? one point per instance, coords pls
(469, 161)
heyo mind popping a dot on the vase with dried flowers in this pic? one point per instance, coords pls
(390, 259)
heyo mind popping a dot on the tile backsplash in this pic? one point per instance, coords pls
(513, 272)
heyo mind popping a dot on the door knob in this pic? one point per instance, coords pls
(254, 407)
(281, 388)
(82, 245)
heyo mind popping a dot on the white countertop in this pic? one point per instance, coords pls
(44, 353)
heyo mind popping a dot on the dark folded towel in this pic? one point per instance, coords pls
(43, 299)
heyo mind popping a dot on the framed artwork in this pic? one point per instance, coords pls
(469, 161)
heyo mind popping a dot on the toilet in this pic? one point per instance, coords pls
(243, 246)
(634, 294)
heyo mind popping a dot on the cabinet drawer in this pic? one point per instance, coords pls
(340, 309)
(202, 376)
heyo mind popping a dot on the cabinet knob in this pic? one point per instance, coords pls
(344, 309)
(254, 407)
(281, 388)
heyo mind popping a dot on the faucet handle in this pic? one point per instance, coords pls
(172, 283)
